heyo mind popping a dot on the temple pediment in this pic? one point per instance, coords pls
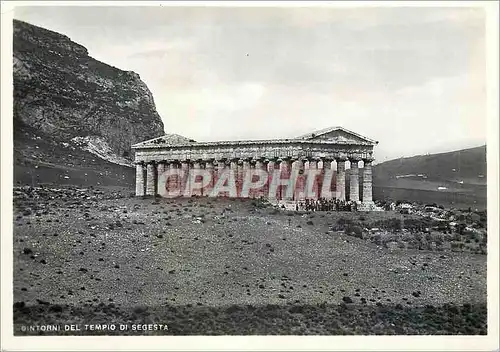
(337, 135)
(168, 139)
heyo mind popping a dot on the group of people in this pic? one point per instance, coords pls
(323, 204)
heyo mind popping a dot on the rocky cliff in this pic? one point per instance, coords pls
(62, 92)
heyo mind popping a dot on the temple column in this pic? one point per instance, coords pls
(209, 166)
(196, 168)
(354, 180)
(367, 180)
(234, 171)
(161, 166)
(271, 166)
(265, 167)
(285, 173)
(260, 165)
(277, 166)
(184, 179)
(251, 167)
(139, 179)
(173, 182)
(150, 179)
(239, 177)
(160, 169)
(313, 165)
(326, 179)
(221, 166)
(299, 191)
(340, 187)
(245, 168)
(319, 179)
(180, 178)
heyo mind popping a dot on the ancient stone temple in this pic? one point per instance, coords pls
(310, 166)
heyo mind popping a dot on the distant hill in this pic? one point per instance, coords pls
(457, 177)
(468, 165)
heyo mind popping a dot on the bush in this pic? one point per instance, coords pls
(343, 221)
(438, 241)
(456, 246)
(347, 299)
(394, 224)
(355, 231)
(413, 244)
(377, 239)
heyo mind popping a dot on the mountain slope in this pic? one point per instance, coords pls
(39, 159)
(468, 165)
(452, 178)
(62, 92)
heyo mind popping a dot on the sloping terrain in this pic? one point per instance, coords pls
(224, 266)
(468, 165)
(39, 159)
(455, 178)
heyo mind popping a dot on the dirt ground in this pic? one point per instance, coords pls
(224, 266)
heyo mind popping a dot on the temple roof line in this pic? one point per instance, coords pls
(177, 141)
(176, 138)
(245, 142)
(324, 131)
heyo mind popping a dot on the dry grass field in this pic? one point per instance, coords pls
(228, 266)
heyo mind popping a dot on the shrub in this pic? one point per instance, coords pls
(413, 244)
(343, 221)
(394, 224)
(355, 231)
(347, 299)
(456, 246)
(296, 309)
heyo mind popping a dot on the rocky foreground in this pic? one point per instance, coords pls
(222, 266)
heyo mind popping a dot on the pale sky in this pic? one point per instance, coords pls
(411, 78)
